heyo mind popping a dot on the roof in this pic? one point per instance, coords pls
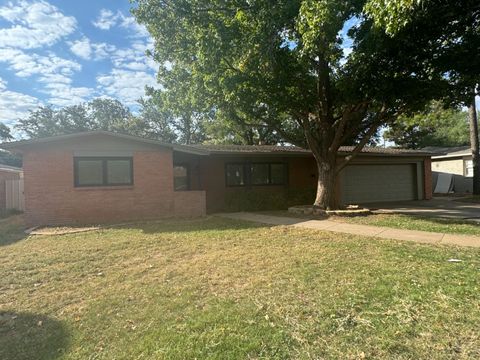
(277, 149)
(448, 152)
(210, 149)
(18, 145)
(10, 168)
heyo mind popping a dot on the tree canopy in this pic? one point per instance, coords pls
(320, 73)
(435, 126)
(98, 114)
(5, 132)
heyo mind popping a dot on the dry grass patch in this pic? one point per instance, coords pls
(217, 288)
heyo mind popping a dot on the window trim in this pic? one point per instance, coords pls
(187, 167)
(104, 160)
(248, 173)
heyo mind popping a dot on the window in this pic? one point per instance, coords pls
(255, 174)
(98, 171)
(259, 174)
(181, 178)
(468, 164)
(277, 174)
(235, 174)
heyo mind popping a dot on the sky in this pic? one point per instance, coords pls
(66, 52)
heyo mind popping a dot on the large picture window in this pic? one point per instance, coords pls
(242, 174)
(101, 171)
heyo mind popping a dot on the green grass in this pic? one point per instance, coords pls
(223, 289)
(470, 199)
(411, 222)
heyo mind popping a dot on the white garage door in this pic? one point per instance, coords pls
(376, 183)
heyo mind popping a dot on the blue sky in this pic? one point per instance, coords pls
(65, 52)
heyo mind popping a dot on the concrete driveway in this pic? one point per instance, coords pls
(437, 207)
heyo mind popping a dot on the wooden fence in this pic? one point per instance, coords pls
(14, 197)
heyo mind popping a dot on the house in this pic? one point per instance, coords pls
(456, 161)
(7, 173)
(99, 176)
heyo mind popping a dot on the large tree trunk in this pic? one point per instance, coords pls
(326, 197)
(474, 143)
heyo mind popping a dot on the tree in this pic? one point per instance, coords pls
(281, 64)
(449, 34)
(474, 144)
(98, 114)
(5, 134)
(158, 121)
(435, 126)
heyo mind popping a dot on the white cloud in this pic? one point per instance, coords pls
(62, 94)
(14, 105)
(34, 24)
(134, 58)
(87, 50)
(81, 48)
(125, 85)
(108, 19)
(26, 65)
(52, 72)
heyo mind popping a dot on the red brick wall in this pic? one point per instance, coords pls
(5, 175)
(51, 198)
(189, 203)
(427, 166)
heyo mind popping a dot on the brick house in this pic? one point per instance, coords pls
(98, 176)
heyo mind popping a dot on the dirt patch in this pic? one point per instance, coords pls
(62, 230)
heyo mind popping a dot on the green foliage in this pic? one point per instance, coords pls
(5, 132)
(447, 32)
(280, 66)
(255, 199)
(393, 15)
(8, 158)
(436, 126)
(98, 114)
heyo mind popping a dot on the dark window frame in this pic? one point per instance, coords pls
(247, 173)
(187, 167)
(104, 160)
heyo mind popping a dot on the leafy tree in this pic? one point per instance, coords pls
(158, 121)
(436, 126)
(98, 114)
(281, 64)
(5, 134)
(11, 159)
(449, 36)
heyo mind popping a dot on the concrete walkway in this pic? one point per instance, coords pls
(357, 229)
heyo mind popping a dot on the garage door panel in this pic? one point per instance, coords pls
(376, 183)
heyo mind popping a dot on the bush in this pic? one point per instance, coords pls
(262, 199)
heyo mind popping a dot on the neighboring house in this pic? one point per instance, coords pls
(456, 161)
(99, 176)
(7, 173)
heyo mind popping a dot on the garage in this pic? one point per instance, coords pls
(379, 183)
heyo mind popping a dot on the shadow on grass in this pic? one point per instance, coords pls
(31, 336)
(12, 229)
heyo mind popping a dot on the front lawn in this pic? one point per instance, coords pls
(470, 199)
(412, 222)
(224, 289)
